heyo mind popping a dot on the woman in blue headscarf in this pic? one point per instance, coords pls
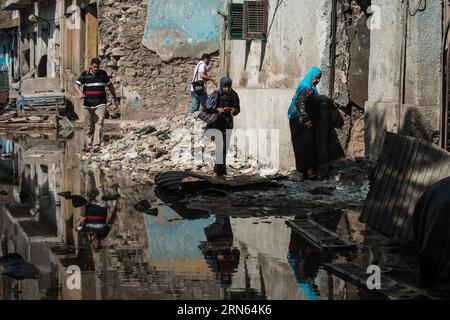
(301, 123)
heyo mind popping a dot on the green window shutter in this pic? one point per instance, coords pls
(235, 21)
(255, 20)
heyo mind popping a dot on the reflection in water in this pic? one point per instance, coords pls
(218, 250)
(130, 241)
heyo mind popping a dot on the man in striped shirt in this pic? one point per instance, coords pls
(91, 86)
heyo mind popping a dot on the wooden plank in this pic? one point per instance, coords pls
(27, 126)
(391, 288)
(319, 236)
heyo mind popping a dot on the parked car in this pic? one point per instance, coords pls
(40, 96)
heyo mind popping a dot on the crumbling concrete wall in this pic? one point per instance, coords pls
(419, 112)
(182, 28)
(151, 86)
(351, 73)
(266, 73)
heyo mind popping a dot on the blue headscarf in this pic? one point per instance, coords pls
(307, 82)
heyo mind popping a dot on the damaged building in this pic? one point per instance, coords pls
(150, 49)
(151, 59)
(8, 54)
(169, 229)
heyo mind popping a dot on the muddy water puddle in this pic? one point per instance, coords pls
(132, 245)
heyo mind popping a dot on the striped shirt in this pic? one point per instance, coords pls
(95, 215)
(94, 88)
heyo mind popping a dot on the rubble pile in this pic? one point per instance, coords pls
(149, 147)
(168, 144)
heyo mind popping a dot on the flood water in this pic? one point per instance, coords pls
(158, 254)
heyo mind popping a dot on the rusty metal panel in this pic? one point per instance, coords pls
(406, 168)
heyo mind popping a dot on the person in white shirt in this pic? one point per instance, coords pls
(199, 97)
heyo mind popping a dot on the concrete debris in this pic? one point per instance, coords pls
(175, 144)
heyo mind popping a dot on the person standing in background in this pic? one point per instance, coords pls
(91, 86)
(199, 94)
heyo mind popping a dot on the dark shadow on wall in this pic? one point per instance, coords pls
(415, 125)
(264, 41)
(375, 131)
(263, 53)
(248, 45)
(69, 112)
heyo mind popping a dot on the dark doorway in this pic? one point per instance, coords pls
(42, 67)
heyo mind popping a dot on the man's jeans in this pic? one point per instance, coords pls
(197, 100)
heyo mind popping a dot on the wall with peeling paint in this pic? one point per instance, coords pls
(298, 38)
(419, 113)
(182, 28)
(8, 58)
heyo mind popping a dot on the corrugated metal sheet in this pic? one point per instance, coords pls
(406, 168)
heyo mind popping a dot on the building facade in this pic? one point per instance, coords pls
(404, 67)
(380, 59)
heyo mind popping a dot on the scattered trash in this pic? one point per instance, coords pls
(235, 166)
(268, 172)
(146, 130)
(175, 144)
